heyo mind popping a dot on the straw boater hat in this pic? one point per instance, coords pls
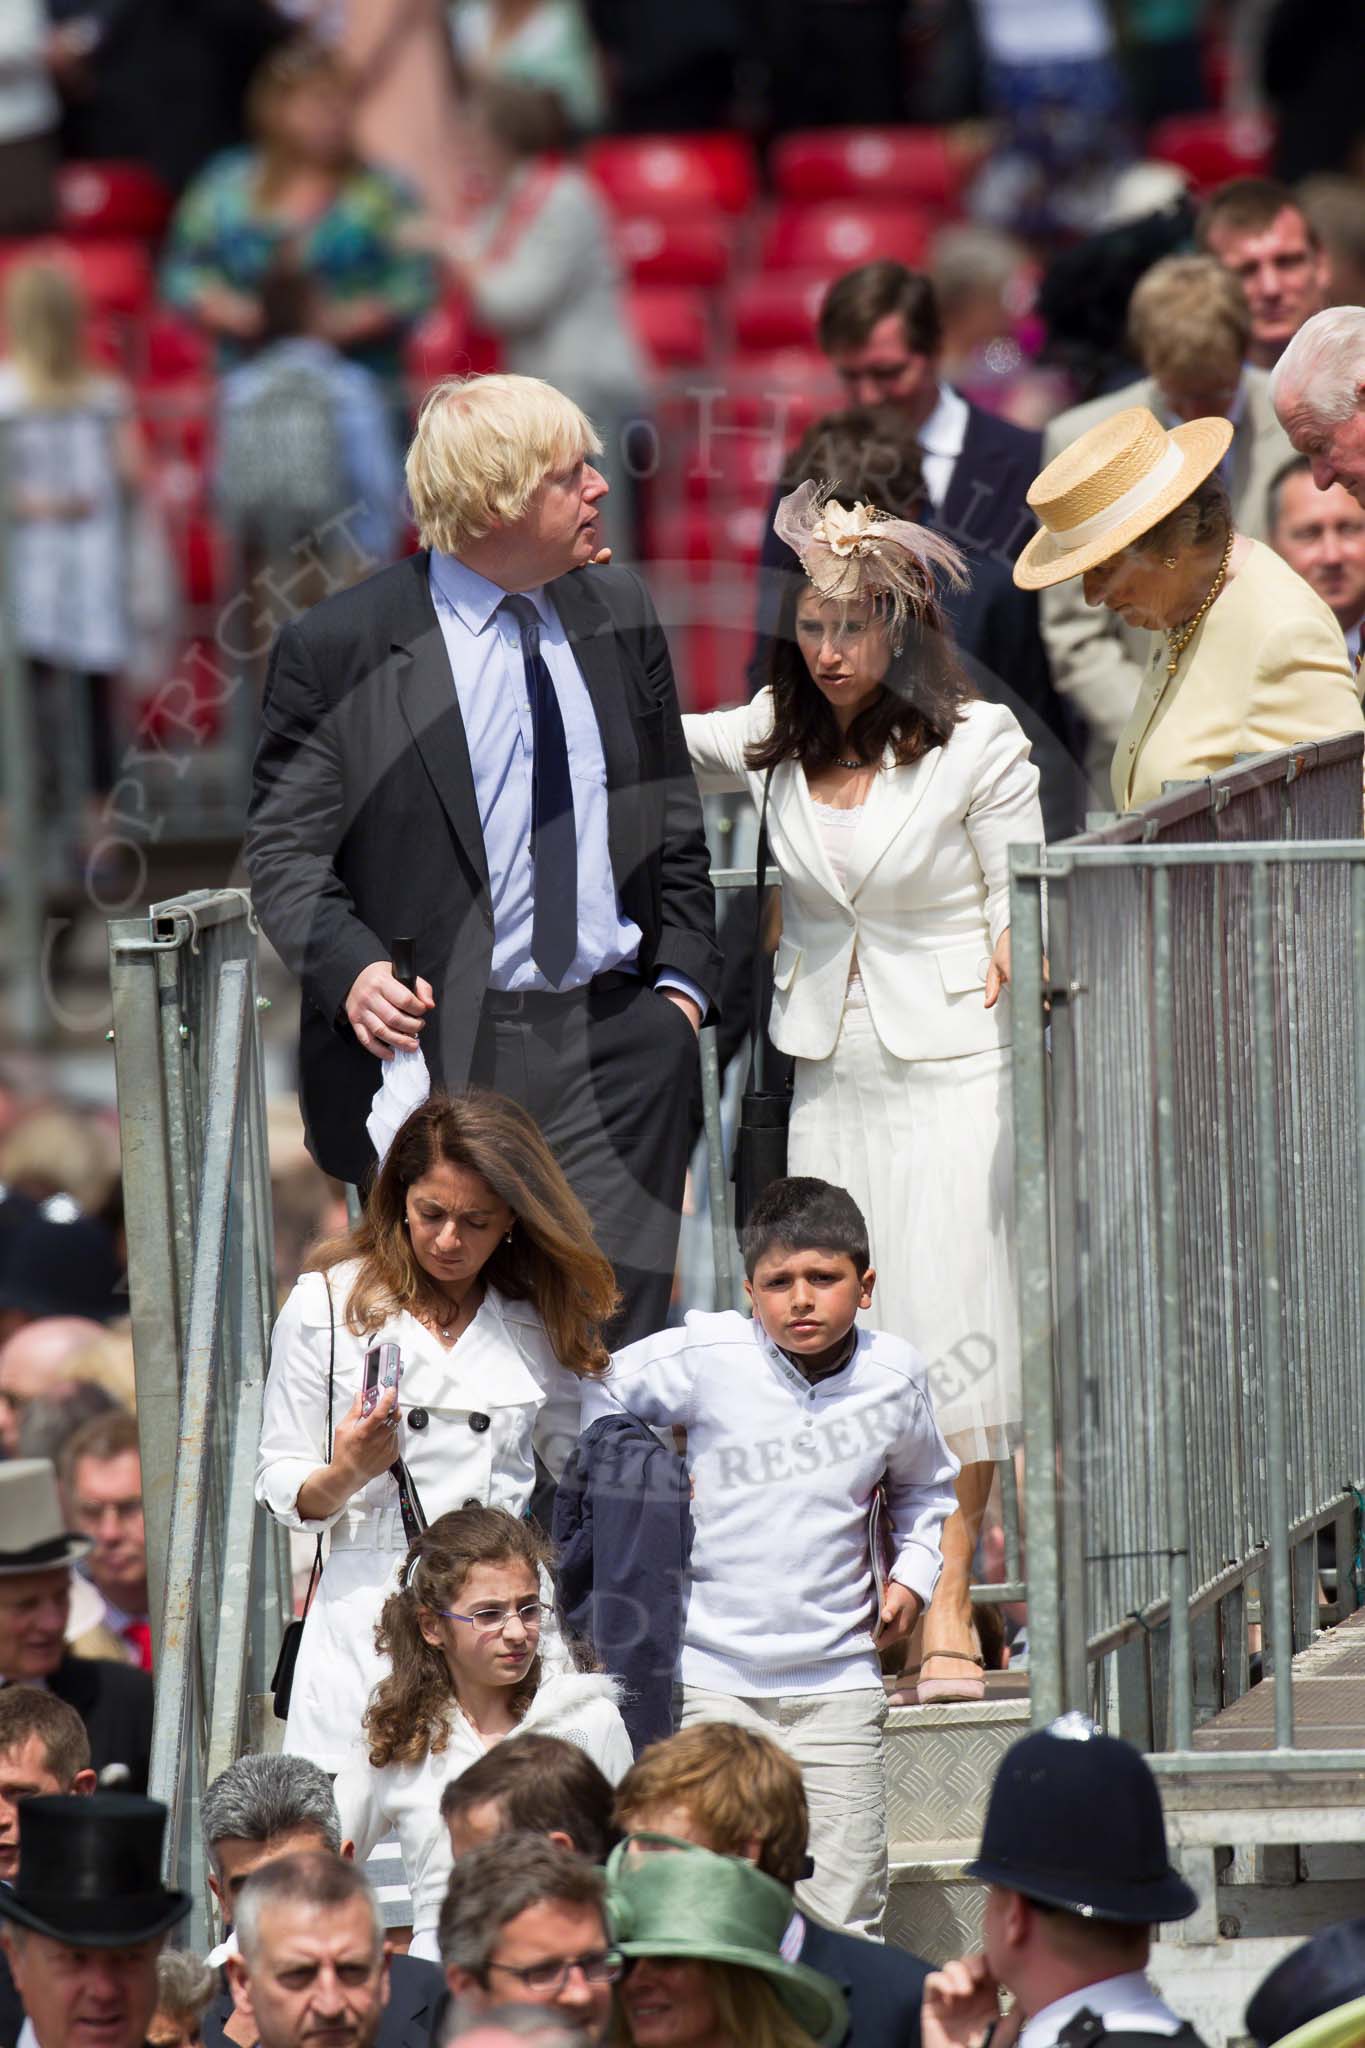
(1118, 481)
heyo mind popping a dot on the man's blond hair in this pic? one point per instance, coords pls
(482, 449)
(1189, 323)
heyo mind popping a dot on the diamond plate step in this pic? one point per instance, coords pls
(933, 1909)
(940, 1765)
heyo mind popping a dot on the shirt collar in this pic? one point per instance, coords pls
(793, 1374)
(1111, 1995)
(472, 597)
(946, 427)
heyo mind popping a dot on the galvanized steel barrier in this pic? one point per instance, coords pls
(1190, 1178)
(201, 1277)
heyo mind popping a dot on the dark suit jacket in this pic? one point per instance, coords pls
(115, 1703)
(995, 625)
(984, 513)
(415, 1991)
(11, 2005)
(364, 826)
(883, 1987)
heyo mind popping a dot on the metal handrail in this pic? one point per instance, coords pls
(1168, 1469)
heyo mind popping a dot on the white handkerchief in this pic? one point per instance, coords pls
(406, 1085)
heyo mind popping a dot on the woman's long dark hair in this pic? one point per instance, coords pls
(921, 699)
(552, 1260)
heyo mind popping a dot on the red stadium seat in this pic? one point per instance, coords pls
(840, 235)
(777, 313)
(114, 198)
(914, 164)
(675, 248)
(172, 351)
(672, 325)
(1211, 148)
(781, 392)
(116, 275)
(445, 343)
(676, 173)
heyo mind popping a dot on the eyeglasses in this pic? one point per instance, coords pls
(599, 1966)
(492, 1621)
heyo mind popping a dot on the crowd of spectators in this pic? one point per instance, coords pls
(919, 251)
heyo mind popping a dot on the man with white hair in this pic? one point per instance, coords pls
(480, 749)
(1318, 389)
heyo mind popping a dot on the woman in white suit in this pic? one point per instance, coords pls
(894, 795)
(475, 1258)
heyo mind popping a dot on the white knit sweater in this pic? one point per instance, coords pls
(780, 1596)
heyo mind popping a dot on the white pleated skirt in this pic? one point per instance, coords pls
(926, 1149)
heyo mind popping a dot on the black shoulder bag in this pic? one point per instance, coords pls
(764, 1113)
(282, 1684)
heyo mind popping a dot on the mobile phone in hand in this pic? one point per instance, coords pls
(383, 1369)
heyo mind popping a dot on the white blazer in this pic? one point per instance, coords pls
(926, 893)
(483, 1408)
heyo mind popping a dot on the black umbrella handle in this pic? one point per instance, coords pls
(405, 963)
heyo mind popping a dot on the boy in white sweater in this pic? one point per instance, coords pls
(793, 1422)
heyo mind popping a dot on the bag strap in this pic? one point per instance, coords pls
(409, 1501)
(758, 1023)
(316, 1572)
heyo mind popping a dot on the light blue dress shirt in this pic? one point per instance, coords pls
(484, 646)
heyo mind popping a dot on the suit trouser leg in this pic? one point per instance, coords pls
(609, 1077)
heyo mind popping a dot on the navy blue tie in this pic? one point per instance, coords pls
(554, 840)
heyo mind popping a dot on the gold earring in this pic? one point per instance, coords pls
(508, 1238)
(1168, 561)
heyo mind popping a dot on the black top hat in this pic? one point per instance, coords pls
(61, 1263)
(90, 1871)
(1075, 1821)
(1318, 1982)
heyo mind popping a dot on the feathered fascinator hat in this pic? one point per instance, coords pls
(852, 554)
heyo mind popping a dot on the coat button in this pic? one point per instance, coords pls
(479, 1423)
(418, 1418)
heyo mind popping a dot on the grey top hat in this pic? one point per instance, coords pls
(33, 1532)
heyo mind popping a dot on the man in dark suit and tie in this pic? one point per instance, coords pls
(879, 326)
(481, 748)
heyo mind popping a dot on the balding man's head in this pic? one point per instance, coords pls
(33, 1366)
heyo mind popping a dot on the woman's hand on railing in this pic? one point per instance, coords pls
(364, 1446)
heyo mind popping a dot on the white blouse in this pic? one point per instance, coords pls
(472, 1417)
(836, 825)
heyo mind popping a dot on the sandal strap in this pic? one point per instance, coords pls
(958, 1656)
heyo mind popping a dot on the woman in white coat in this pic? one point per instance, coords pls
(477, 1260)
(463, 1635)
(894, 795)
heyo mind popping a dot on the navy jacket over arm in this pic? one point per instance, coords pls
(623, 1531)
(883, 1987)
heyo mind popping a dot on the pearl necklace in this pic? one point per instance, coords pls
(840, 763)
(1179, 637)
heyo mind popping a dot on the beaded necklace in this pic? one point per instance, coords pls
(1178, 638)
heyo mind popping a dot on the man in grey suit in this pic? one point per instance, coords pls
(1190, 330)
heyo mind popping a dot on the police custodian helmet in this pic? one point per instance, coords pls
(1075, 1821)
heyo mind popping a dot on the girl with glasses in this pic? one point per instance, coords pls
(463, 1636)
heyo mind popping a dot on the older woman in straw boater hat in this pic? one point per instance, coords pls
(1245, 657)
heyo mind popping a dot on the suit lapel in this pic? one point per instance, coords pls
(792, 810)
(895, 797)
(426, 696)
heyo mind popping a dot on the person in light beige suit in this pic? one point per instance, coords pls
(893, 797)
(1243, 657)
(1190, 328)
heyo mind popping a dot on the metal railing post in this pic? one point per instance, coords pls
(1172, 1385)
(19, 770)
(1034, 1237)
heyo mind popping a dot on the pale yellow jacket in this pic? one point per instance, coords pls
(1267, 667)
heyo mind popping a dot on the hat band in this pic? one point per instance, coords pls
(1132, 500)
(53, 1551)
